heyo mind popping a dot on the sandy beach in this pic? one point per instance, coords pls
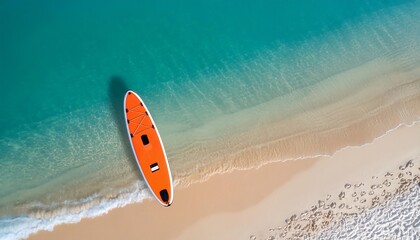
(252, 203)
(279, 120)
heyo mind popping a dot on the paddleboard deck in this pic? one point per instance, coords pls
(148, 148)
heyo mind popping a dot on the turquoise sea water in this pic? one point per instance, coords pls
(65, 66)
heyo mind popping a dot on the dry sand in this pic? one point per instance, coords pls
(249, 203)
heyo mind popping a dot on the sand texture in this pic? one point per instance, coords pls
(272, 201)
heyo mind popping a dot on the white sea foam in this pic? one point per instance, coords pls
(19, 227)
(397, 219)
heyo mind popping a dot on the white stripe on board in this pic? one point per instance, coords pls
(155, 168)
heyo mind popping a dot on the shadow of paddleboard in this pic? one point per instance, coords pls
(116, 92)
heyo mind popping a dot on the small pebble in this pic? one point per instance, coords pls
(410, 164)
(342, 195)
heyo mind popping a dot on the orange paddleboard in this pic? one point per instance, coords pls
(148, 148)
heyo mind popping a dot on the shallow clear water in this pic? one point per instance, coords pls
(59, 56)
(66, 66)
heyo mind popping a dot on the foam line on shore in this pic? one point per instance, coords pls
(238, 168)
(21, 227)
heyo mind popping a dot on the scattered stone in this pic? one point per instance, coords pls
(400, 175)
(304, 214)
(383, 193)
(306, 228)
(333, 205)
(342, 195)
(252, 237)
(371, 192)
(388, 174)
(388, 196)
(403, 181)
(363, 201)
(362, 193)
(321, 204)
(313, 225)
(342, 206)
(347, 186)
(328, 197)
(373, 187)
(409, 164)
(375, 201)
(387, 183)
(354, 194)
(329, 214)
